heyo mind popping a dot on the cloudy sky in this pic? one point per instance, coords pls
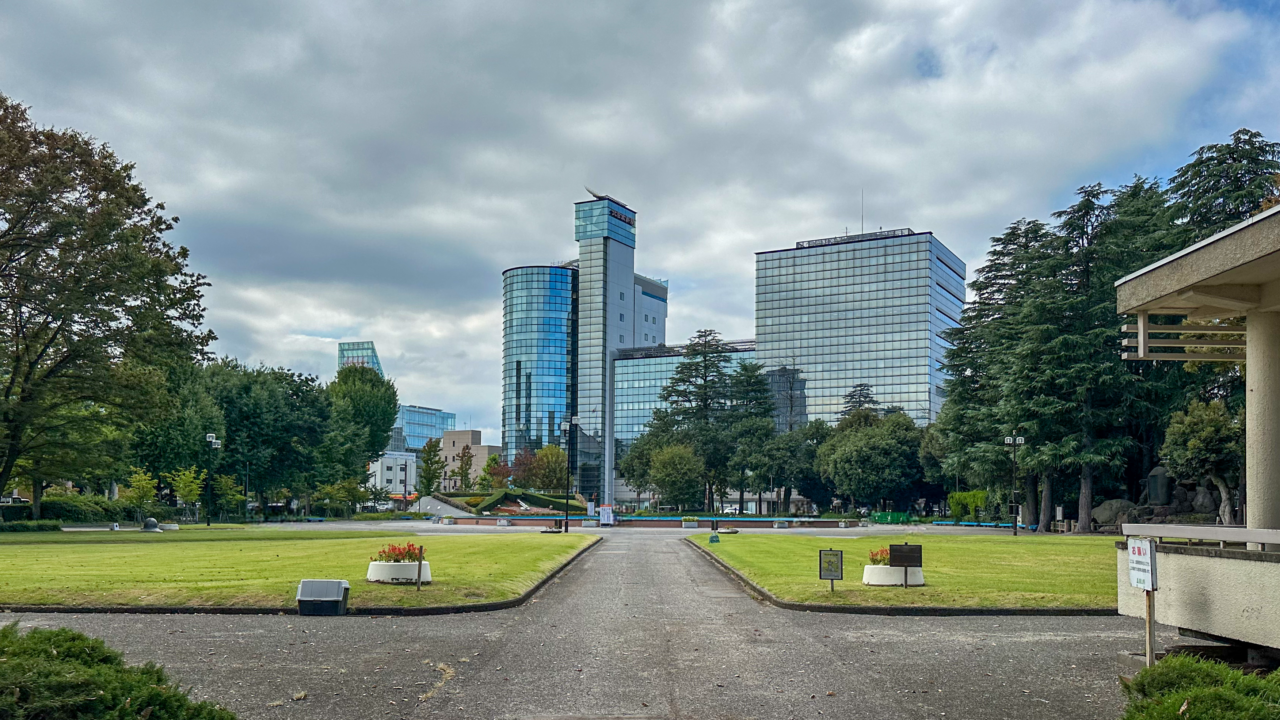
(350, 170)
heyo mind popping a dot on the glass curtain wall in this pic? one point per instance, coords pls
(860, 309)
(539, 357)
(359, 353)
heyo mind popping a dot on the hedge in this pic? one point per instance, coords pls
(10, 513)
(533, 498)
(1182, 687)
(31, 526)
(98, 509)
(63, 674)
(963, 504)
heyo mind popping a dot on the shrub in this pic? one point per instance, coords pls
(475, 500)
(81, 508)
(963, 504)
(555, 503)
(63, 674)
(1182, 687)
(407, 552)
(31, 526)
(689, 518)
(9, 513)
(878, 557)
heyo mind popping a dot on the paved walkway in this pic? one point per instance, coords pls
(642, 626)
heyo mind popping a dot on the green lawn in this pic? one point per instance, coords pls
(262, 568)
(192, 533)
(959, 571)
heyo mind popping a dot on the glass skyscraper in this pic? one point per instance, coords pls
(539, 356)
(420, 424)
(837, 312)
(359, 353)
(562, 327)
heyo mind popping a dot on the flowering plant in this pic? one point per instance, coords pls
(407, 552)
(879, 557)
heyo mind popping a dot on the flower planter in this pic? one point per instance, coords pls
(504, 522)
(780, 524)
(844, 523)
(687, 524)
(397, 572)
(885, 575)
(446, 521)
(590, 523)
(168, 526)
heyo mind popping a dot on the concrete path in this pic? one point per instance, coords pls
(641, 626)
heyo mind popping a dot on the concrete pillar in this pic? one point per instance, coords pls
(1262, 420)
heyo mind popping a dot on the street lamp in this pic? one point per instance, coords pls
(1013, 443)
(215, 444)
(565, 427)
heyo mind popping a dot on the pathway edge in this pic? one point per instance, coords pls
(351, 612)
(920, 611)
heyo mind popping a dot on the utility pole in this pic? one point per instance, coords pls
(214, 444)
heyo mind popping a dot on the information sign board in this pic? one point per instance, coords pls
(906, 556)
(831, 565)
(1142, 563)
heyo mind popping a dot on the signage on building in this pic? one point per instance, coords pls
(1142, 563)
(628, 220)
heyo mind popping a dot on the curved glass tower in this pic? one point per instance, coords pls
(539, 357)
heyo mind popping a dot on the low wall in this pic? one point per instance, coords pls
(1220, 592)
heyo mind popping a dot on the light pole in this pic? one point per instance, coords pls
(1014, 443)
(565, 427)
(214, 444)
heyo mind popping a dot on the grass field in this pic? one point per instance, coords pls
(959, 571)
(261, 568)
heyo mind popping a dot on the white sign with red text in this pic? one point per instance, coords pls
(1142, 563)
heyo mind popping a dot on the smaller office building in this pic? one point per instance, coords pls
(451, 447)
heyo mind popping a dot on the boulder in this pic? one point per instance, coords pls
(1203, 501)
(1106, 513)
(1180, 495)
(150, 525)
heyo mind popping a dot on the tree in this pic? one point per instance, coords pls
(227, 498)
(522, 468)
(1226, 183)
(85, 276)
(370, 400)
(496, 473)
(860, 396)
(431, 469)
(878, 462)
(139, 492)
(750, 396)
(1206, 442)
(187, 485)
(463, 472)
(550, 468)
(676, 472)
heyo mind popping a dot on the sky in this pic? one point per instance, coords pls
(365, 171)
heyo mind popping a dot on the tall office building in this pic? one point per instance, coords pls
(359, 353)
(836, 312)
(419, 424)
(562, 327)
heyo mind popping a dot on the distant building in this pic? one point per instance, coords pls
(419, 424)
(451, 450)
(360, 353)
(396, 472)
(856, 309)
(562, 327)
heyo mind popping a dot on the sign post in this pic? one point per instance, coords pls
(1142, 575)
(906, 556)
(831, 566)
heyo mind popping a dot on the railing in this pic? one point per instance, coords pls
(1214, 533)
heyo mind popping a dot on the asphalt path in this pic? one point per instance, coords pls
(641, 626)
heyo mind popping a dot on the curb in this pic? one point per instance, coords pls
(366, 611)
(760, 593)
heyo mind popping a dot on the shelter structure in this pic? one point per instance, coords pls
(1218, 582)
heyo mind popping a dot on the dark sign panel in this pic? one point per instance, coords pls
(906, 556)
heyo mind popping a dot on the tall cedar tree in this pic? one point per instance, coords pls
(84, 273)
(1226, 183)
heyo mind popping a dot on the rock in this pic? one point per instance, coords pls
(1203, 501)
(1105, 514)
(1161, 512)
(1180, 495)
(150, 525)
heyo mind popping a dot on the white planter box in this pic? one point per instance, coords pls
(503, 522)
(590, 523)
(885, 575)
(446, 521)
(168, 526)
(844, 524)
(687, 524)
(397, 572)
(780, 524)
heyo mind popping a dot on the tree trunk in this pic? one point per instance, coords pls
(1085, 522)
(786, 500)
(742, 495)
(1224, 508)
(37, 495)
(1029, 500)
(760, 502)
(1046, 503)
